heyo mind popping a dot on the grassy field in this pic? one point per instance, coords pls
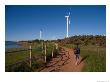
(94, 58)
(13, 58)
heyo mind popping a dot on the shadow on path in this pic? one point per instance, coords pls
(84, 58)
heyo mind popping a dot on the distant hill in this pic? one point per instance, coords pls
(10, 42)
(84, 40)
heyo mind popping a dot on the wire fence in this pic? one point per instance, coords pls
(30, 59)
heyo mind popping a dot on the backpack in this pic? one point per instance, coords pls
(77, 51)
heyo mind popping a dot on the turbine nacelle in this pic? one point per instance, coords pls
(67, 16)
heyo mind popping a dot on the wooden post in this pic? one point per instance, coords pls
(42, 47)
(56, 45)
(45, 53)
(30, 55)
(52, 52)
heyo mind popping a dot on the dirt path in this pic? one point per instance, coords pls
(65, 62)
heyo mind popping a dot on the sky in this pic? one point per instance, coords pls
(24, 22)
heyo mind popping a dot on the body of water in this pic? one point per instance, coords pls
(9, 44)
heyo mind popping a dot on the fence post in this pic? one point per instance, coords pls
(45, 53)
(56, 45)
(42, 47)
(30, 54)
(52, 51)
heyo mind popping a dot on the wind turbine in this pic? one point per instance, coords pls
(67, 23)
(41, 39)
(40, 34)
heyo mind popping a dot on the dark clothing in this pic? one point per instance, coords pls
(77, 52)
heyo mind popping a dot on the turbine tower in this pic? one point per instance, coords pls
(67, 25)
(40, 34)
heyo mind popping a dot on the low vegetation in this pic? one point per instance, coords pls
(93, 53)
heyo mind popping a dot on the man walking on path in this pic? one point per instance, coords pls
(77, 54)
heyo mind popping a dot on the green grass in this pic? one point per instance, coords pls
(94, 58)
(11, 58)
(95, 61)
